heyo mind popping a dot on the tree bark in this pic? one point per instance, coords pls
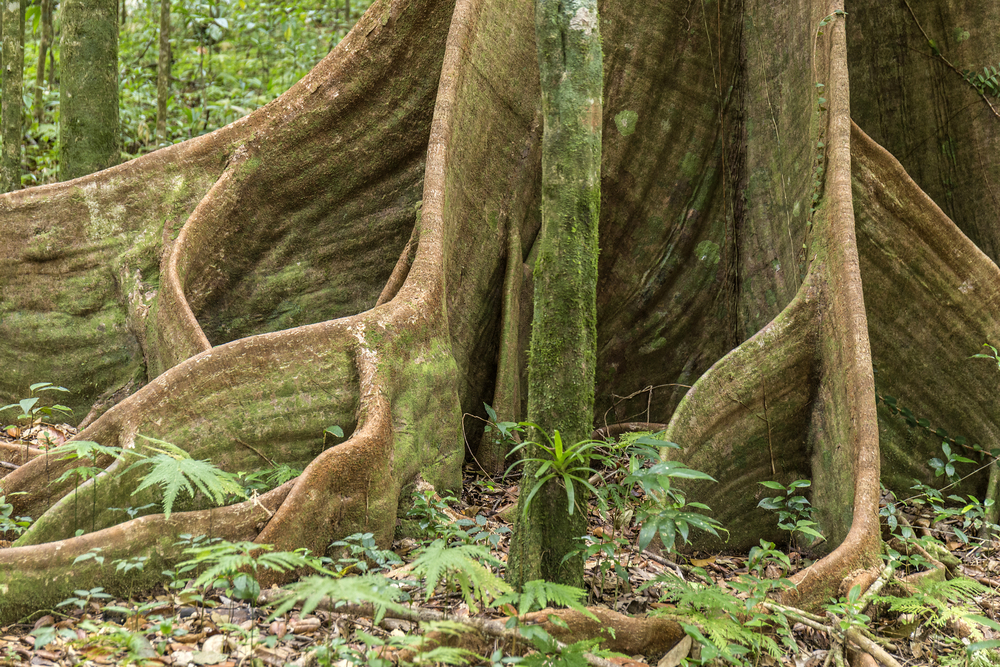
(89, 133)
(224, 294)
(13, 107)
(43, 52)
(563, 352)
(163, 72)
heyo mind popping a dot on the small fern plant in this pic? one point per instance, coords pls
(173, 470)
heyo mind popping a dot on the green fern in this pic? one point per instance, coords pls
(371, 589)
(937, 603)
(539, 594)
(173, 470)
(725, 626)
(226, 559)
(463, 566)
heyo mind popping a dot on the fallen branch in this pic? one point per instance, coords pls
(852, 634)
(488, 626)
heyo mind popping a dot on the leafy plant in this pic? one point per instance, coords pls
(460, 566)
(173, 470)
(946, 465)
(30, 410)
(794, 510)
(666, 511)
(83, 450)
(10, 523)
(759, 557)
(725, 626)
(232, 565)
(503, 434)
(82, 598)
(363, 554)
(568, 464)
(986, 83)
(847, 612)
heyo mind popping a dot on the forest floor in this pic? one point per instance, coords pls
(169, 627)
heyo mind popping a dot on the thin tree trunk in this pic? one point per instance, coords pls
(13, 72)
(50, 38)
(88, 91)
(163, 72)
(43, 50)
(563, 356)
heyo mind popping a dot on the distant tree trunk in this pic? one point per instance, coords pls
(88, 91)
(13, 72)
(163, 72)
(47, 27)
(43, 50)
(564, 328)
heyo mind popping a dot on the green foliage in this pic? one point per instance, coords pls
(173, 470)
(29, 409)
(228, 58)
(81, 598)
(794, 511)
(847, 611)
(666, 511)
(369, 588)
(759, 557)
(987, 83)
(540, 594)
(262, 481)
(10, 523)
(363, 555)
(504, 435)
(83, 450)
(460, 566)
(568, 464)
(727, 627)
(230, 565)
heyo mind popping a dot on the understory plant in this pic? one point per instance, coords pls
(793, 509)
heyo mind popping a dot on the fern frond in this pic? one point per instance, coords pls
(225, 559)
(372, 589)
(539, 594)
(447, 655)
(462, 565)
(173, 470)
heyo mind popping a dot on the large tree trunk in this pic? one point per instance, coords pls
(341, 257)
(13, 108)
(563, 352)
(89, 135)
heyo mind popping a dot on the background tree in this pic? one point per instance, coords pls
(89, 135)
(760, 257)
(563, 352)
(163, 72)
(13, 106)
(44, 42)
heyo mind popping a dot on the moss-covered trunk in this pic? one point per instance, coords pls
(563, 353)
(89, 136)
(13, 107)
(344, 255)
